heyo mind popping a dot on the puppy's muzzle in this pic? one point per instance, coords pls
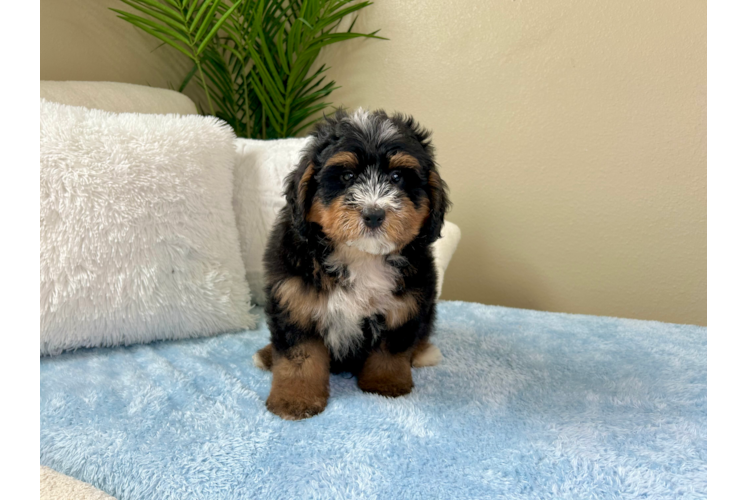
(373, 217)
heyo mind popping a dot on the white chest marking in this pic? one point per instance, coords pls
(366, 291)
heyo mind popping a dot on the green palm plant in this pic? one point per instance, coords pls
(253, 59)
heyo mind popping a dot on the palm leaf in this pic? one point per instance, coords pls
(187, 78)
(254, 59)
(216, 26)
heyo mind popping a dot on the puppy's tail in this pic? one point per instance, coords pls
(263, 359)
(426, 354)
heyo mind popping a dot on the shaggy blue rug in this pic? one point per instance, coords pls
(525, 405)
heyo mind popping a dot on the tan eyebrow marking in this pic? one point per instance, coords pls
(304, 183)
(403, 160)
(343, 158)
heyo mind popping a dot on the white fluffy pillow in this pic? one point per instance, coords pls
(138, 235)
(261, 168)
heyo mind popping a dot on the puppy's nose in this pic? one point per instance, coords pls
(373, 217)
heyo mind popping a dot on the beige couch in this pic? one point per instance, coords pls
(128, 98)
(118, 97)
(56, 486)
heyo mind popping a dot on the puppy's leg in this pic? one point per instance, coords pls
(263, 359)
(426, 354)
(386, 373)
(301, 378)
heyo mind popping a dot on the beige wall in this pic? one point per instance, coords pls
(572, 135)
(84, 40)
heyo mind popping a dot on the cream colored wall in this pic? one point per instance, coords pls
(572, 135)
(84, 40)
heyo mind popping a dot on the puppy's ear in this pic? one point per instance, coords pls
(301, 184)
(439, 204)
(300, 188)
(436, 188)
(415, 131)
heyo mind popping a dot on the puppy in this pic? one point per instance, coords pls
(350, 276)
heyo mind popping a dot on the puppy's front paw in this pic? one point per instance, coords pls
(295, 409)
(301, 378)
(386, 386)
(386, 374)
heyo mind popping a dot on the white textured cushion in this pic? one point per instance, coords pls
(138, 236)
(444, 249)
(261, 168)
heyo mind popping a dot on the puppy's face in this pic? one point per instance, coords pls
(371, 183)
(375, 204)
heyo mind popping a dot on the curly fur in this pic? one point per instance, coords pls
(329, 276)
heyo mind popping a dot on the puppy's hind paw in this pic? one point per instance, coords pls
(263, 359)
(426, 354)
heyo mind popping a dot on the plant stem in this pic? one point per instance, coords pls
(246, 105)
(205, 86)
(285, 116)
(264, 135)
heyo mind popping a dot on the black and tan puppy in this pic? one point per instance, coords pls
(350, 277)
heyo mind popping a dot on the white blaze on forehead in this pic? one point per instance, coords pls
(375, 128)
(373, 190)
(360, 117)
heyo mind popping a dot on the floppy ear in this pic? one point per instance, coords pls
(416, 131)
(436, 188)
(301, 184)
(439, 204)
(300, 188)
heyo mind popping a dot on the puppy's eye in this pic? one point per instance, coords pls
(347, 177)
(395, 176)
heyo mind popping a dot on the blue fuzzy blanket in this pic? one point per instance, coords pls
(525, 405)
